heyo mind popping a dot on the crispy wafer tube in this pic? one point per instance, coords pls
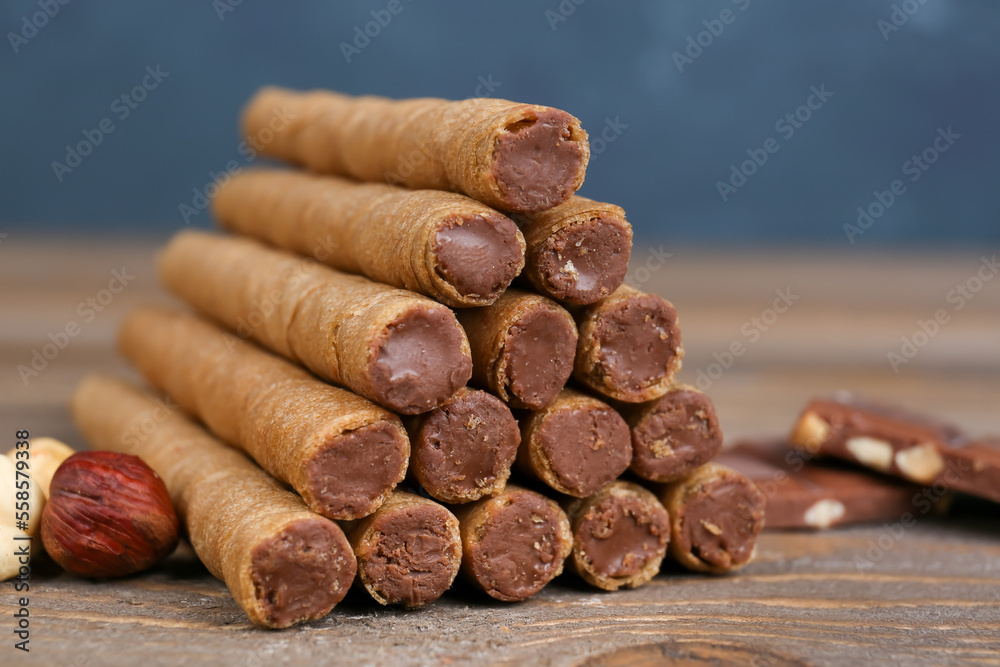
(630, 346)
(283, 563)
(620, 536)
(463, 449)
(672, 435)
(514, 543)
(523, 347)
(576, 444)
(397, 348)
(341, 452)
(511, 156)
(715, 516)
(441, 244)
(578, 251)
(408, 551)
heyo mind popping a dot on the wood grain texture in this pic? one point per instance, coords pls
(928, 595)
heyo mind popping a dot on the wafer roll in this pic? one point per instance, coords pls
(672, 435)
(395, 347)
(577, 252)
(576, 444)
(715, 517)
(283, 563)
(630, 346)
(463, 449)
(342, 453)
(514, 543)
(514, 157)
(620, 536)
(441, 244)
(523, 347)
(409, 550)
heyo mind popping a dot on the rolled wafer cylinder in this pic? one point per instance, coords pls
(463, 450)
(577, 252)
(629, 347)
(514, 543)
(441, 244)
(511, 156)
(715, 516)
(620, 536)
(576, 444)
(283, 563)
(672, 435)
(409, 550)
(397, 348)
(523, 347)
(341, 452)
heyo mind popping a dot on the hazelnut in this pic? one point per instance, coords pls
(46, 454)
(871, 452)
(810, 433)
(108, 515)
(824, 513)
(921, 463)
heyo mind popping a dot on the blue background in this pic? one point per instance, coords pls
(602, 61)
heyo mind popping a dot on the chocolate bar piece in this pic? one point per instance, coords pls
(899, 442)
(802, 493)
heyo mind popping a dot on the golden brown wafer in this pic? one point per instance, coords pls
(341, 452)
(511, 156)
(715, 516)
(463, 450)
(577, 252)
(514, 543)
(409, 550)
(399, 349)
(576, 444)
(441, 244)
(620, 536)
(523, 347)
(630, 346)
(283, 563)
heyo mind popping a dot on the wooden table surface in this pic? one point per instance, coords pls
(927, 594)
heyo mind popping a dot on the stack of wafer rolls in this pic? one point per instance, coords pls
(416, 365)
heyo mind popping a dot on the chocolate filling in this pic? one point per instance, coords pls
(720, 524)
(519, 549)
(638, 339)
(356, 468)
(478, 256)
(412, 557)
(537, 162)
(680, 433)
(302, 572)
(622, 534)
(418, 360)
(586, 447)
(585, 262)
(463, 446)
(539, 351)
